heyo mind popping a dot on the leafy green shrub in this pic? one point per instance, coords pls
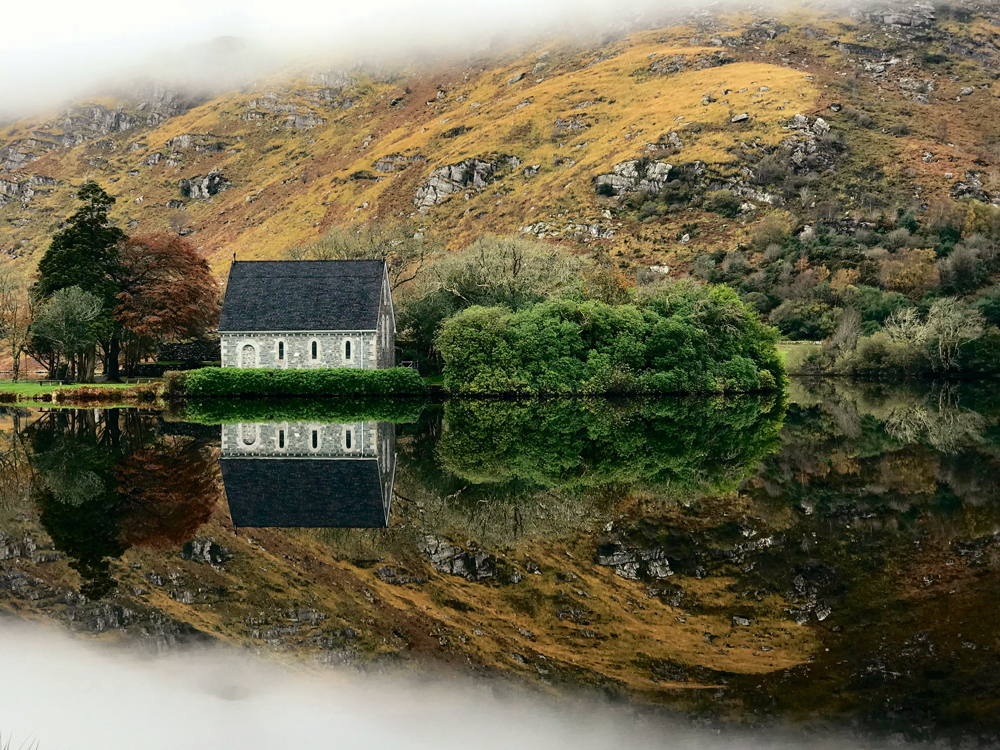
(233, 411)
(805, 318)
(570, 444)
(229, 381)
(989, 305)
(174, 383)
(684, 338)
(723, 202)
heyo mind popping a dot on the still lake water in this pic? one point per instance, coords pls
(826, 564)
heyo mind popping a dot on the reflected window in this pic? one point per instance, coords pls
(315, 439)
(347, 350)
(281, 439)
(347, 439)
(248, 435)
(281, 350)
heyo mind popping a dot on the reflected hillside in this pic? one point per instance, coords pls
(832, 560)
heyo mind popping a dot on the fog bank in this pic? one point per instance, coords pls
(66, 694)
(86, 49)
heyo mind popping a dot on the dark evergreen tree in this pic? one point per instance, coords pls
(85, 254)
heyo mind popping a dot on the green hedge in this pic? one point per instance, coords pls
(230, 381)
(215, 411)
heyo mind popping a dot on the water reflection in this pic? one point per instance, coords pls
(832, 559)
(108, 480)
(309, 474)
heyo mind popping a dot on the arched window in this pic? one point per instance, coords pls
(315, 350)
(347, 350)
(281, 351)
(347, 439)
(281, 439)
(315, 440)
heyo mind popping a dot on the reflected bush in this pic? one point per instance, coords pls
(220, 411)
(683, 444)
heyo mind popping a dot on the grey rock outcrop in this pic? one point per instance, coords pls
(468, 175)
(634, 176)
(634, 564)
(203, 188)
(24, 190)
(446, 558)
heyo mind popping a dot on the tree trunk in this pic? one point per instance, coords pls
(111, 371)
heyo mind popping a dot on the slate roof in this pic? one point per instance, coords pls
(323, 493)
(302, 295)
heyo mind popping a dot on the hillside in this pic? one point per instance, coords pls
(516, 144)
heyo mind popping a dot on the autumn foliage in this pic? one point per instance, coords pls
(167, 292)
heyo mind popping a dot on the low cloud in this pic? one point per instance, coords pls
(90, 49)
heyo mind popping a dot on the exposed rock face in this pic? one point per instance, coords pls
(634, 564)
(471, 174)
(24, 190)
(970, 187)
(296, 117)
(332, 78)
(676, 63)
(916, 15)
(22, 151)
(861, 50)
(26, 548)
(634, 176)
(206, 551)
(396, 162)
(446, 558)
(203, 188)
(142, 625)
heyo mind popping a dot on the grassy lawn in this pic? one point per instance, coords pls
(794, 353)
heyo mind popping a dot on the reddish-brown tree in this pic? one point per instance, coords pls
(168, 293)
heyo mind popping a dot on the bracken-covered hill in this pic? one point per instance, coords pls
(837, 114)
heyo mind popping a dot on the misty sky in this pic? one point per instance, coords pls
(62, 50)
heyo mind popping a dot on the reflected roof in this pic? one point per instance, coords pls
(314, 493)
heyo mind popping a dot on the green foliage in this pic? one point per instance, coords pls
(509, 272)
(229, 381)
(723, 202)
(70, 320)
(174, 384)
(84, 253)
(988, 304)
(233, 411)
(683, 338)
(805, 318)
(685, 444)
(875, 306)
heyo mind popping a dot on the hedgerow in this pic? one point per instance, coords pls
(261, 382)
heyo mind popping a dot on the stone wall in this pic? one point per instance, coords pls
(248, 440)
(330, 350)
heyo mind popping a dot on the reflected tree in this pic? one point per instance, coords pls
(107, 481)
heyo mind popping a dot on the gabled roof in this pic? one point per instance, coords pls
(304, 493)
(302, 295)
